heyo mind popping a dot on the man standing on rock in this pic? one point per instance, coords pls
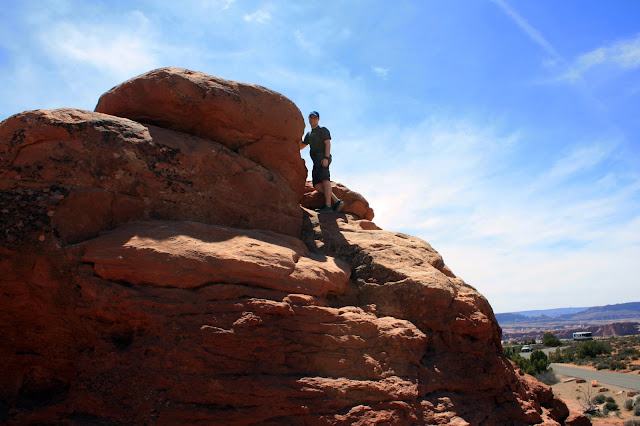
(319, 140)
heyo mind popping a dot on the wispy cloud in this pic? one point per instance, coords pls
(528, 29)
(302, 41)
(259, 16)
(507, 231)
(623, 54)
(381, 72)
(119, 48)
(217, 4)
(583, 158)
(620, 55)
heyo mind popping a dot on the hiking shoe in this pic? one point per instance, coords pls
(337, 207)
(324, 209)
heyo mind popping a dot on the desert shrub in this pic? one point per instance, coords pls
(611, 406)
(549, 339)
(602, 365)
(629, 352)
(618, 365)
(609, 399)
(599, 399)
(632, 423)
(593, 348)
(536, 363)
(636, 410)
(549, 377)
(628, 404)
(565, 355)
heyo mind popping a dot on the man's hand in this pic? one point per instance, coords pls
(324, 162)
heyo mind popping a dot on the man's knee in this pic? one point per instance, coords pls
(319, 187)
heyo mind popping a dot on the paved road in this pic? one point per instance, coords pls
(545, 350)
(629, 381)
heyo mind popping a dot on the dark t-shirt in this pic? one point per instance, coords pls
(315, 139)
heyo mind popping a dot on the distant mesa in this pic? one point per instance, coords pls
(161, 262)
(621, 311)
(603, 321)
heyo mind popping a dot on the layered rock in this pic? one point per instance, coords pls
(148, 252)
(130, 298)
(89, 172)
(252, 120)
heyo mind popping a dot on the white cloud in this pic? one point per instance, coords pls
(583, 157)
(622, 54)
(528, 29)
(517, 236)
(226, 4)
(302, 41)
(217, 4)
(381, 72)
(121, 49)
(259, 16)
(333, 36)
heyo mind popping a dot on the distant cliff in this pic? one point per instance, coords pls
(161, 263)
(621, 311)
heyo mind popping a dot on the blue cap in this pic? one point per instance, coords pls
(316, 113)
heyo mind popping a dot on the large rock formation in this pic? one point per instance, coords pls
(256, 122)
(143, 281)
(97, 171)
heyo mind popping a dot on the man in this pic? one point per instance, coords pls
(319, 141)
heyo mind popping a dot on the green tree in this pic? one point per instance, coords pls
(549, 339)
(509, 351)
(593, 348)
(538, 363)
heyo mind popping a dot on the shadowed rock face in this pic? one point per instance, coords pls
(129, 297)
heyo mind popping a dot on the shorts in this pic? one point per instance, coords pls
(319, 173)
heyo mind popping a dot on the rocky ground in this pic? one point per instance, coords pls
(573, 394)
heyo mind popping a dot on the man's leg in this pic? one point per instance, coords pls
(324, 187)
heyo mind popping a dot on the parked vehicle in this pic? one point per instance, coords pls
(582, 335)
(526, 348)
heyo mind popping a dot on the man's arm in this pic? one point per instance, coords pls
(304, 142)
(327, 153)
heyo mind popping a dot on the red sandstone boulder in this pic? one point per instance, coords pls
(171, 254)
(115, 311)
(404, 277)
(256, 122)
(354, 203)
(80, 172)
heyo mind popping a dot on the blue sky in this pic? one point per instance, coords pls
(505, 133)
